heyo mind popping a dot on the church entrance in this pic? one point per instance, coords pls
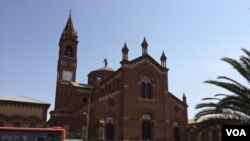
(176, 129)
(176, 134)
(146, 128)
(110, 129)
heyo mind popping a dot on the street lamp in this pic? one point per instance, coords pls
(87, 128)
(87, 116)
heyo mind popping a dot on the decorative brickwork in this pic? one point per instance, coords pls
(130, 103)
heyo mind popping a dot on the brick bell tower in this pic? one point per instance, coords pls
(67, 62)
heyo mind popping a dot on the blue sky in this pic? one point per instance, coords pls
(195, 35)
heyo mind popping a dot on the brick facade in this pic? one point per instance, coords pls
(20, 111)
(130, 103)
(212, 133)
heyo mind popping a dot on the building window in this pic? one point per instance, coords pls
(56, 123)
(1, 123)
(32, 125)
(146, 127)
(84, 100)
(110, 120)
(146, 90)
(146, 86)
(16, 124)
(68, 51)
(146, 117)
(110, 103)
(99, 76)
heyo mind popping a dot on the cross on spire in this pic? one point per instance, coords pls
(70, 11)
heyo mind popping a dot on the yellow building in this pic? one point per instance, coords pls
(21, 111)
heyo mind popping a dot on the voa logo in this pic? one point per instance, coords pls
(236, 132)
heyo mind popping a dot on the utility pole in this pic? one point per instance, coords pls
(87, 116)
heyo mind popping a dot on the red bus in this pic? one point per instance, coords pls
(32, 134)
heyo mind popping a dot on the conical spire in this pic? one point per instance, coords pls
(163, 60)
(69, 28)
(125, 52)
(163, 57)
(144, 46)
(184, 99)
(125, 48)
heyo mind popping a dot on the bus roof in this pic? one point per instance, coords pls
(33, 129)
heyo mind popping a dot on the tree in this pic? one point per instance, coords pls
(231, 108)
(74, 135)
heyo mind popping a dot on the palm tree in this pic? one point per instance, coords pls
(231, 108)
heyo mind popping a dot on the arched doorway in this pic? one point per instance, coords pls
(146, 127)
(110, 129)
(16, 124)
(176, 128)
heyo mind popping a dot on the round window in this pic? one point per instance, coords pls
(84, 100)
(110, 103)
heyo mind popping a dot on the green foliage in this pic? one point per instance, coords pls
(233, 108)
(74, 135)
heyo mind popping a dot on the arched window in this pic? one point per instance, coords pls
(146, 87)
(110, 129)
(146, 117)
(146, 127)
(56, 123)
(143, 86)
(68, 51)
(176, 128)
(16, 124)
(1, 123)
(110, 120)
(32, 125)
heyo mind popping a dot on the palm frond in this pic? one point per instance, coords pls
(246, 62)
(211, 98)
(238, 66)
(205, 105)
(234, 81)
(236, 89)
(246, 52)
(227, 108)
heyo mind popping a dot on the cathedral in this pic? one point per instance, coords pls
(130, 103)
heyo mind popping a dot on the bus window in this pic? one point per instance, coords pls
(31, 134)
(40, 139)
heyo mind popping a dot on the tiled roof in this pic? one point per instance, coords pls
(21, 99)
(104, 69)
(81, 85)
